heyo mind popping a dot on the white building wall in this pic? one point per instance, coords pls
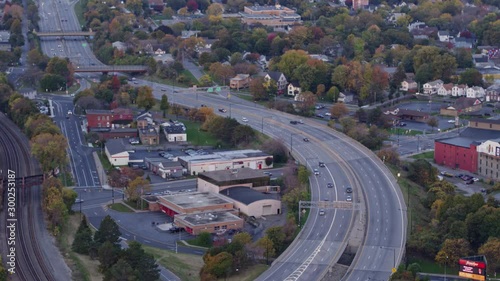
(252, 163)
(256, 209)
(176, 137)
(120, 159)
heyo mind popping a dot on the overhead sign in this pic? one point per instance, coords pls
(478, 264)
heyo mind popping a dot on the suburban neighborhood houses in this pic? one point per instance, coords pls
(252, 140)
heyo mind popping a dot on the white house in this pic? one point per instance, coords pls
(407, 85)
(119, 45)
(432, 87)
(444, 36)
(445, 90)
(116, 152)
(175, 132)
(458, 90)
(277, 77)
(345, 98)
(293, 89)
(476, 92)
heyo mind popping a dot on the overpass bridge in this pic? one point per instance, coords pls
(64, 33)
(111, 68)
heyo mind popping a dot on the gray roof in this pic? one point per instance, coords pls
(196, 199)
(98, 111)
(208, 218)
(115, 146)
(471, 135)
(457, 141)
(174, 129)
(246, 195)
(238, 174)
(487, 121)
(275, 75)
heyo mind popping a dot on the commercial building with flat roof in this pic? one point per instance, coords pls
(195, 202)
(252, 202)
(211, 222)
(489, 159)
(217, 181)
(227, 160)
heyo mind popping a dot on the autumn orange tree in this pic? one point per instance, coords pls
(49, 150)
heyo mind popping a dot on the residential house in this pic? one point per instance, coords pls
(279, 78)
(423, 33)
(400, 114)
(149, 135)
(189, 33)
(116, 152)
(159, 52)
(445, 89)
(459, 90)
(444, 36)
(431, 88)
(345, 98)
(144, 120)
(240, 81)
(273, 16)
(475, 92)
(493, 93)
(293, 88)
(489, 159)
(119, 46)
(462, 105)
(481, 60)
(156, 5)
(174, 131)
(408, 85)
(165, 168)
(359, 4)
(462, 42)
(28, 93)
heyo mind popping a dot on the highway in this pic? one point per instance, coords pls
(378, 201)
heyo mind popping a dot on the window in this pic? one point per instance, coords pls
(216, 228)
(98, 118)
(224, 227)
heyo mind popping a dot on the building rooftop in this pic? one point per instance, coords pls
(486, 121)
(268, 8)
(232, 175)
(175, 129)
(98, 111)
(246, 195)
(457, 141)
(195, 199)
(225, 155)
(471, 135)
(208, 218)
(115, 146)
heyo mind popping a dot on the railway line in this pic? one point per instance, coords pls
(30, 264)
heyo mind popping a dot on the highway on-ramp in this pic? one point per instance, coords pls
(378, 202)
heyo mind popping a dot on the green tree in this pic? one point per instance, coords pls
(204, 239)
(164, 104)
(144, 264)
(108, 231)
(433, 122)
(52, 82)
(277, 236)
(267, 245)
(422, 172)
(243, 238)
(218, 265)
(452, 250)
(491, 249)
(69, 197)
(108, 255)
(339, 110)
(471, 77)
(83, 238)
(291, 60)
(145, 98)
(303, 175)
(55, 209)
(482, 224)
(242, 134)
(120, 271)
(136, 188)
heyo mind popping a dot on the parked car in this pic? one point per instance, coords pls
(471, 181)
(402, 124)
(294, 122)
(328, 114)
(133, 141)
(244, 119)
(320, 116)
(268, 173)
(300, 121)
(222, 110)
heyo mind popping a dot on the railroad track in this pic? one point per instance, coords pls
(30, 262)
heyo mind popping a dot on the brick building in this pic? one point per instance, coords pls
(211, 222)
(487, 124)
(456, 153)
(112, 119)
(489, 159)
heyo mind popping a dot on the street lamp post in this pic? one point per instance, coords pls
(445, 268)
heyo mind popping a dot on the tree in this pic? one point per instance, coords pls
(258, 90)
(242, 134)
(267, 245)
(108, 231)
(277, 236)
(452, 250)
(339, 110)
(55, 209)
(303, 175)
(222, 71)
(204, 239)
(164, 104)
(243, 238)
(491, 249)
(108, 255)
(136, 188)
(69, 197)
(471, 77)
(291, 60)
(49, 150)
(277, 149)
(433, 122)
(120, 271)
(215, 9)
(145, 98)
(218, 265)
(144, 264)
(83, 238)
(422, 172)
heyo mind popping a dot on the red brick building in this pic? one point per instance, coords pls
(116, 118)
(457, 153)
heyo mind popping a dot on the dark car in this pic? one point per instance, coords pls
(471, 181)
(203, 105)
(306, 139)
(320, 116)
(329, 185)
(348, 190)
(294, 122)
(321, 164)
(222, 110)
(402, 124)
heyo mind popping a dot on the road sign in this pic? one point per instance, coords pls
(210, 90)
(217, 89)
(393, 270)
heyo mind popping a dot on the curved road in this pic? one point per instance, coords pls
(379, 204)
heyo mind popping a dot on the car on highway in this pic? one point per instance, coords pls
(268, 173)
(321, 212)
(306, 139)
(329, 185)
(78, 200)
(222, 110)
(451, 121)
(348, 198)
(244, 119)
(321, 164)
(316, 172)
(348, 190)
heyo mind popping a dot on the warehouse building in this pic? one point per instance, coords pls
(194, 202)
(212, 222)
(227, 160)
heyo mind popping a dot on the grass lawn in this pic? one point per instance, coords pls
(430, 266)
(105, 162)
(79, 13)
(186, 267)
(119, 207)
(82, 266)
(425, 155)
(197, 137)
(134, 205)
(248, 274)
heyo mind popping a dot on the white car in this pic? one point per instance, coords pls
(451, 121)
(316, 172)
(244, 119)
(328, 114)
